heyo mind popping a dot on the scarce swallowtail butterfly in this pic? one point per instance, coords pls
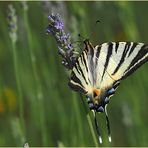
(99, 70)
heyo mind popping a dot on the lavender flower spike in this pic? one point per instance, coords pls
(59, 24)
(65, 48)
(12, 23)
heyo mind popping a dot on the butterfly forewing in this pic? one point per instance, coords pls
(120, 60)
(104, 65)
(138, 59)
(82, 73)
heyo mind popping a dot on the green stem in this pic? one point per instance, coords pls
(19, 90)
(89, 119)
(38, 87)
(78, 118)
(92, 130)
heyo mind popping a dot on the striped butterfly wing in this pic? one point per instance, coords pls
(105, 65)
(120, 59)
(86, 74)
(82, 73)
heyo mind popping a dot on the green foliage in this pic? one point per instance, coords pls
(37, 106)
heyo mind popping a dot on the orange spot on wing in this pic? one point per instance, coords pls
(97, 92)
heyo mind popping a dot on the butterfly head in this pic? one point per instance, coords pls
(98, 99)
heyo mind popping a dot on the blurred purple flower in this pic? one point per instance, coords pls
(12, 23)
(24, 5)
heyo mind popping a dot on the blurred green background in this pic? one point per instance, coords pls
(37, 106)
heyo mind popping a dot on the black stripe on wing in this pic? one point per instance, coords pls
(79, 79)
(89, 47)
(97, 55)
(84, 60)
(139, 59)
(132, 48)
(76, 84)
(116, 46)
(109, 53)
(126, 48)
(81, 71)
(77, 68)
(116, 84)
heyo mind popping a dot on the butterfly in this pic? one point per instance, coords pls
(99, 70)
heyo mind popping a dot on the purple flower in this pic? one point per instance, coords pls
(55, 21)
(48, 30)
(69, 46)
(59, 24)
(65, 48)
(51, 18)
(64, 37)
(61, 51)
(12, 23)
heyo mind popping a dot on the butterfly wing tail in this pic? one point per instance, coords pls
(108, 125)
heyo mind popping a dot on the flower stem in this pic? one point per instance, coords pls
(19, 90)
(92, 130)
(38, 87)
(89, 119)
(78, 118)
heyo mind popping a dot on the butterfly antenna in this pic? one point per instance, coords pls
(97, 126)
(93, 31)
(108, 125)
(94, 28)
